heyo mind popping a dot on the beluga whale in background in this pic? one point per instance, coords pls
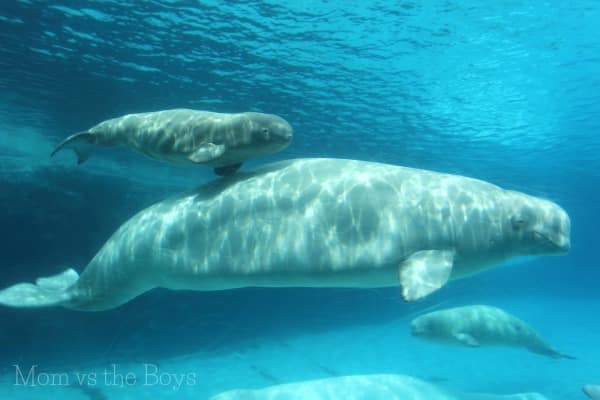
(188, 137)
(364, 387)
(480, 325)
(592, 391)
(312, 223)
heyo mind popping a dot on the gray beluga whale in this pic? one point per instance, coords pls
(311, 223)
(188, 137)
(592, 391)
(481, 325)
(364, 387)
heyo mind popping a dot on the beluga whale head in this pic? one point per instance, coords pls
(268, 132)
(538, 226)
(249, 135)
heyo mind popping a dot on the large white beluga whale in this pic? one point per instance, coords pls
(311, 223)
(187, 137)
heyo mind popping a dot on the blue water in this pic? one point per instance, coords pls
(507, 92)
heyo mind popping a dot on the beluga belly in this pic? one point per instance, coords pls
(188, 137)
(311, 223)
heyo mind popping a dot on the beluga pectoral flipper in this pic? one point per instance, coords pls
(424, 272)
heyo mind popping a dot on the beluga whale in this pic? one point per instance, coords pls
(311, 223)
(481, 325)
(365, 387)
(592, 391)
(187, 137)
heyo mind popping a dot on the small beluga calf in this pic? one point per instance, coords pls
(188, 137)
(480, 325)
(311, 223)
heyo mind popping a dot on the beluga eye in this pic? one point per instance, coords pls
(265, 132)
(518, 223)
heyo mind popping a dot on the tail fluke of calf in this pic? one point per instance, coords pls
(81, 143)
(50, 291)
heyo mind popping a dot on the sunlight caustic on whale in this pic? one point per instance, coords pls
(312, 223)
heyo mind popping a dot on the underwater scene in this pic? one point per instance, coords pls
(299, 200)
